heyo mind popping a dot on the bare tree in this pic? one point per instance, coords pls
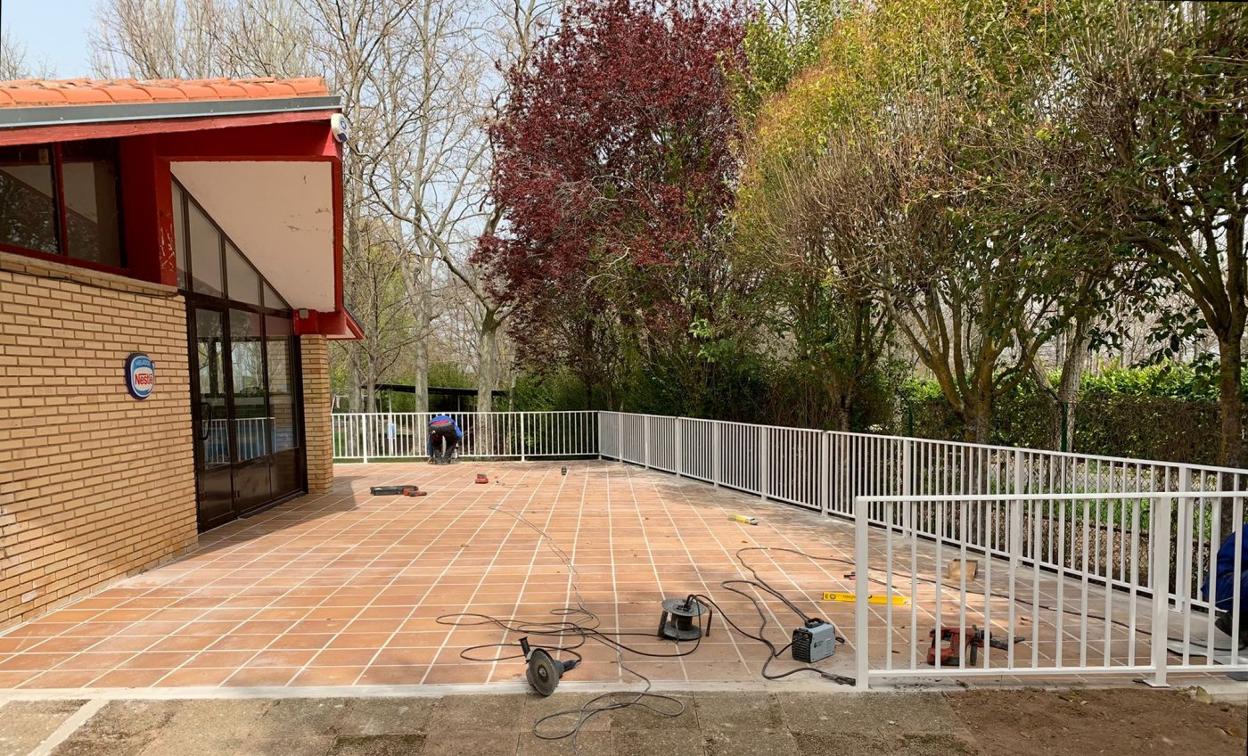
(524, 21)
(433, 177)
(427, 174)
(15, 61)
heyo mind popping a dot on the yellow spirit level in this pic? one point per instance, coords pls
(849, 598)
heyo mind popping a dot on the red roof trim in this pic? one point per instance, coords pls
(71, 132)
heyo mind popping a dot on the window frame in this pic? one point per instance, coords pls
(61, 216)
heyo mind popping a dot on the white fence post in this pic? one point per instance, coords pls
(762, 463)
(862, 563)
(680, 457)
(646, 432)
(715, 453)
(1182, 584)
(825, 475)
(907, 453)
(1018, 472)
(1016, 554)
(619, 429)
(364, 435)
(522, 458)
(1159, 569)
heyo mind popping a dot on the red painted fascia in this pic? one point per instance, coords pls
(76, 131)
(334, 325)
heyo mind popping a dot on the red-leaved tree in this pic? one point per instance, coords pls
(613, 170)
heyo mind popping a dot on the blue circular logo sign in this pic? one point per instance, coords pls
(140, 375)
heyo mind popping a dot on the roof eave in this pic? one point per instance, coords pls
(66, 115)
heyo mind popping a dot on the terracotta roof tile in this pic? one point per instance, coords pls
(38, 93)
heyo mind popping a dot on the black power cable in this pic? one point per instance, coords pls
(581, 625)
(581, 632)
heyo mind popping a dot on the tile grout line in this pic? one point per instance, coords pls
(486, 571)
(294, 557)
(160, 639)
(693, 561)
(321, 605)
(537, 548)
(256, 611)
(733, 564)
(432, 583)
(645, 534)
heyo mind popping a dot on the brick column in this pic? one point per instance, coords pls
(318, 432)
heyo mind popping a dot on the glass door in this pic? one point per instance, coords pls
(245, 373)
(282, 353)
(213, 458)
(249, 411)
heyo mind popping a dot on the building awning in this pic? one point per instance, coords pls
(280, 213)
(260, 156)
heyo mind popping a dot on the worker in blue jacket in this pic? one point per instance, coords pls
(1225, 583)
(444, 437)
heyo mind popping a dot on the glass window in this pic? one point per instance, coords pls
(27, 199)
(278, 335)
(90, 174)
(273, 300)
(251, 417)
(179, 235)
(209, 342)
(242, 280)
(205, 254)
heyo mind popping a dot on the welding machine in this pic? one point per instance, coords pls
(814, 641)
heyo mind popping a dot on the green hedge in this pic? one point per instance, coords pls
(1164, 412)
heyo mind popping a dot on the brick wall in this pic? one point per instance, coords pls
(318, 433)
(94, 485)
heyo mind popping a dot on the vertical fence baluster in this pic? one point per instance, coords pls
(763, 463)
(862, 563)
(1159, 567)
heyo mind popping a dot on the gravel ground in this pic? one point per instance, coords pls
(972, 722)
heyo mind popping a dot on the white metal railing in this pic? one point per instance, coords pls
(1123, 527)
(520, 435)
(254, 437)
(1070, 628)
(829, 470)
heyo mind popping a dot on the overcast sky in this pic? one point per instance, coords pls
(53, 31)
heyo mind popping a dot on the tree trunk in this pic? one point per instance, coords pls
(420, 375)
(422, 307)
(1068, 387)
(978, 417)
(841, 402)
(487, 362)
(353, 375)
(1231, 411)
(1230, 400)
(370, 393)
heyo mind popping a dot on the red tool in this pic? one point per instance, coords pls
(951, 643)
(482, 479)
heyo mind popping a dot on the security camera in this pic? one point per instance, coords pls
(340, 128)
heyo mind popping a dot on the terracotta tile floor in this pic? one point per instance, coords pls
(346, 589)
